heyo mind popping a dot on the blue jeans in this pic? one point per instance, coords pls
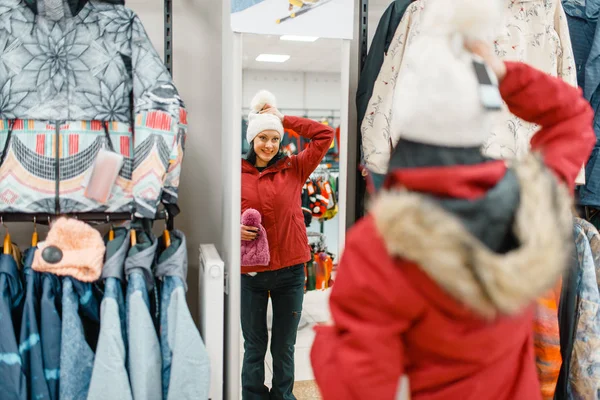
(286, 288)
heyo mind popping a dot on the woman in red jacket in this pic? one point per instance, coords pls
(272, 184)
(437, 283)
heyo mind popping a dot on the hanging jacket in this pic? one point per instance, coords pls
(110, 379)
(418, 293)
(582, 17)
(80, 326)
(546, 337)
(144, 362)
(584, 374)
(386, 28)
(30, 343)
(13, 385)
(51, 330)
(108, 88)
(535, 32)
(185, 360)
(567, 313)
(275, 193)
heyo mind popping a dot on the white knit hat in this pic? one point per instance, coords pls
(436, 99)
(258, 123)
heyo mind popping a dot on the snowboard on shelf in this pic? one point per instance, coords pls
(306, 7)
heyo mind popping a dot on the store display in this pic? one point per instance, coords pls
(535, 32)
(100, 343)
(75, 80)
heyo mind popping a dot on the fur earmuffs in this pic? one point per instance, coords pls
(256, 252)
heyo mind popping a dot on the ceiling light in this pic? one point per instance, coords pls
(274, 58)
(294, 38)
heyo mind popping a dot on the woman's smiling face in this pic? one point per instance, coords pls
(266, 146)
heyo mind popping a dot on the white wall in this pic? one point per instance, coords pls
(294, 90)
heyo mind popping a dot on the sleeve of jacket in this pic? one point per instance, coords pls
(566, 136)
(362, 355)
(320, 136)
(160, 127)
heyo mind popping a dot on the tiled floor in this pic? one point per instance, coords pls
(315, 310)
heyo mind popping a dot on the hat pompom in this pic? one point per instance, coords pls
(251, 217)
(476, 19)
(261, 99)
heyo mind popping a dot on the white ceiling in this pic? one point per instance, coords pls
(324, 55)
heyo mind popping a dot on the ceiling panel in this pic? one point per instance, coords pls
(324, 55)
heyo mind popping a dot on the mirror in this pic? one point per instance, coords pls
(292, 205)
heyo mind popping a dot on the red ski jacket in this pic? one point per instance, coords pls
(275, 193)
(416, 296)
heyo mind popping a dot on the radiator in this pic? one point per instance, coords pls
(212, 314)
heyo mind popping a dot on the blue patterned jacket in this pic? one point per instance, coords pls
(110, 379)
(80, 327)
(185, 360)
(12, 378)
(30, 343)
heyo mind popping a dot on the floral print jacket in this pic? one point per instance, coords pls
(72, 86)
(584, 379)
(535, 32)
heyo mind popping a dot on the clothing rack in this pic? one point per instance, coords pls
(99, 217)
(360, 181)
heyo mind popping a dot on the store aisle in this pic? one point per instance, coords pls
(316, 311)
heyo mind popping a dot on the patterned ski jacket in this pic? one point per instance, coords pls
(74, 80)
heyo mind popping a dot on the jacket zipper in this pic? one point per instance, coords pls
(57, 169)
(7, 143)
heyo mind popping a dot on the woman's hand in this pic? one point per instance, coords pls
(272, 110)
(485, 51)
(249, 233)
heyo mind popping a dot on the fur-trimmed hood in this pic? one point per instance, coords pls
(415, 228)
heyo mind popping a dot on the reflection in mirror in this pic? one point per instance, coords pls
(289, 220)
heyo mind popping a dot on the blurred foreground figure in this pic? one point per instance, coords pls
(437, 283)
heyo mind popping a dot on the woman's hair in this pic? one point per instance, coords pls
(251, 156)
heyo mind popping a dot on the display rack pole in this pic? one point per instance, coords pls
(169, 35)
(363, 47)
